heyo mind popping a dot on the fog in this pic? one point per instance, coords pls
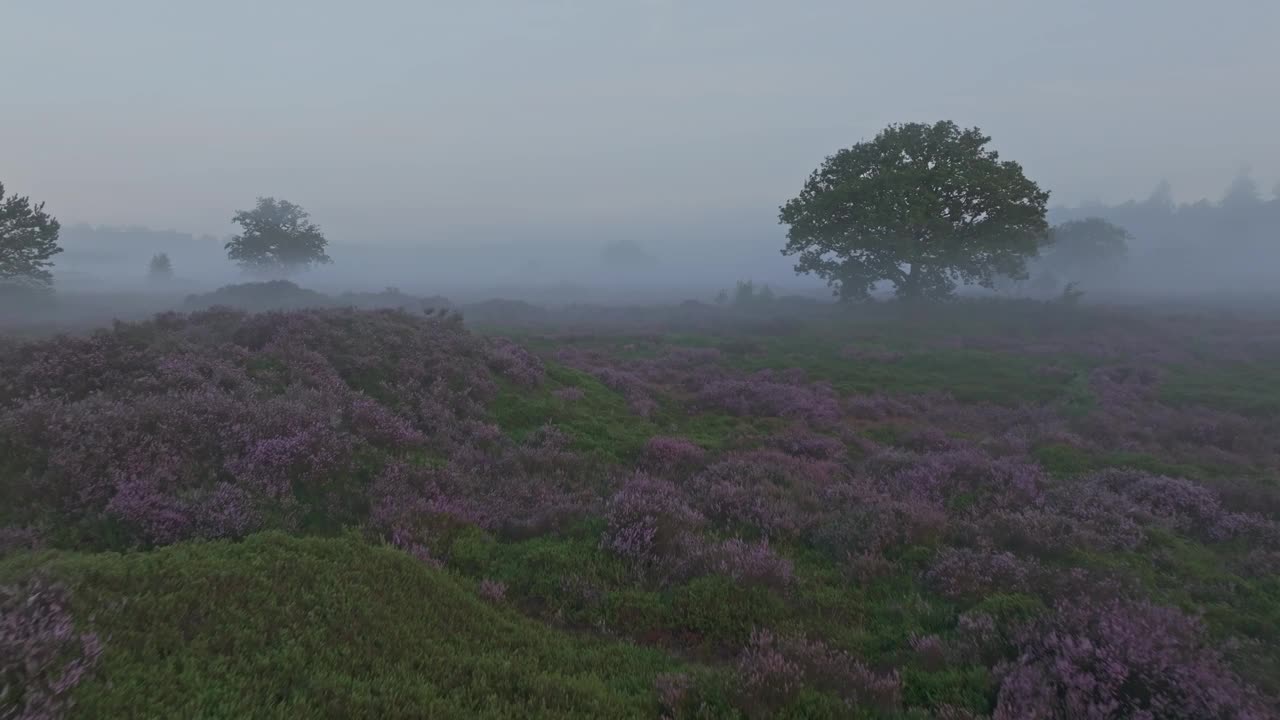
(712, 253)
(499, 148)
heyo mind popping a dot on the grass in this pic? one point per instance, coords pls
(600, 423)
(968, 375)
(1067, 460)
(277, 626)
(1248, 389)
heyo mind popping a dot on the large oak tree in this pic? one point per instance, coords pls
(924, 207)
(277, 238)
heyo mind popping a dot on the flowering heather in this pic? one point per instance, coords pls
(379, 425)
(873, 512)
(493, 590)
(960, 573)
(765, 489)
(1120, 659)
(521, 489)
(772, 394)
(773, 668)
(407, 507)
(620, 380)
(1179, 503)
(957, 472)
(667, 454)
(930, 650)
(630, 384)
(1123, 382)
(42, 656)
(512, 361)
(877, 407)
(747, 563)
(73, 368)
(214, 422)
(641, 405)
(802, 443)
(1018, 426)
(157, 517)
(865, 523)
(929, 439)
(685, 368)
(979, 637)
(673, 690)
(225, 511)
(768, 677)
(690, 357)
(1055, 532)
(648, 521)
(864, 566)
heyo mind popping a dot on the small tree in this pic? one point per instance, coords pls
(1071, 294)
(748, 294)
(161, 268)
(28, 239)
(1084, 246)
(922, 206)
(277, 238)
(1242, 192)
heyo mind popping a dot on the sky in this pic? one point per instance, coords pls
(405, 121)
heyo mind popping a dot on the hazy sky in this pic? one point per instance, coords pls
(399, 118)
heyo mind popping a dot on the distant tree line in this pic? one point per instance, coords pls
(1242, 214)
(924, 208)
(277, 238)
(1223, 242)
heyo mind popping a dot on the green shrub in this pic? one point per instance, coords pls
(722, 612)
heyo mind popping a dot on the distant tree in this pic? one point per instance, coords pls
(277, 238)
(748, 294)
(1071, 294)
(28, 239)
(922, 206)
(1161, 198)
(722, 297)
(1242, 192)
(160, 268)
(1088, 245)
